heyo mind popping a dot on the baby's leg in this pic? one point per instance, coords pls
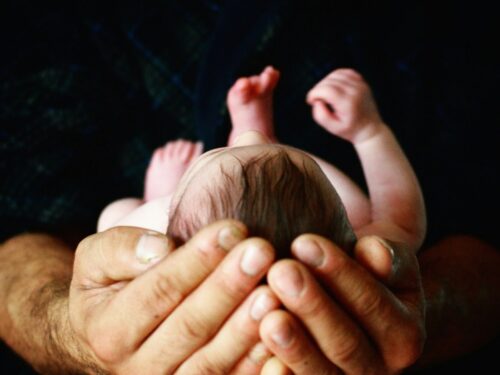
(167, 166)
(116, 210)
(250, 103)
(134, 212)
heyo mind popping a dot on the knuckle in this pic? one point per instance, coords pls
(332, 90)
(233, 287)
(193, 328)
(210, 365)
(245, 332)
(313, 307)
(352, 92)
(338, 266)
(348, 348)
(369, 304)
(350, 72)
(164, 290)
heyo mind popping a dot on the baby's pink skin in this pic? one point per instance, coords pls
(250, 106)
(167, 166)
(250, 103)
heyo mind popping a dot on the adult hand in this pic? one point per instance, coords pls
(136, 310)
(364, 316)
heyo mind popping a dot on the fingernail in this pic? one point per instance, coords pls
(309, 252)
(254, 260)
(261, 306)
(290, 281)
(151, 247)
(388, 247)
(229, 236)
(259, 353)
(284, 336)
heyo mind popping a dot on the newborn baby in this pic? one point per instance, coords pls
(279, 191)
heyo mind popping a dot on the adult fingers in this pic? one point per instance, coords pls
(205, 310)
(252, 363)
(393, 263)
(287, 340)
(337, 335)
(120, 253)
(138, 308)
(274, 366)
(239, 334)
(394, 326)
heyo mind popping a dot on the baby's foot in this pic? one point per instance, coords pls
(250, 103)
(167, 166)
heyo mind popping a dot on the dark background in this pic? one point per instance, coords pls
(87, 92)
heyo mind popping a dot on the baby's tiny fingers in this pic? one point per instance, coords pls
(329, 92)
(347, 72)
(323, 114)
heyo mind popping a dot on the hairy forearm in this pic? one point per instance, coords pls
(462, 287)
(35, 273)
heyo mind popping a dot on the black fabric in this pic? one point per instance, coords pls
(87, 93)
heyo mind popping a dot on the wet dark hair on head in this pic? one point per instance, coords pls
(277, 200)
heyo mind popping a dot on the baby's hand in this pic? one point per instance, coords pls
(343, 104)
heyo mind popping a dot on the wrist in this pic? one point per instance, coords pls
(35, 273)
(75, 355)
(368, 132)
(53, 343)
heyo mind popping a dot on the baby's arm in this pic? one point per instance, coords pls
(354, 199)
(397, 206)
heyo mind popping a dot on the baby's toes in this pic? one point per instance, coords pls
(157, 161)
(197, 150)
(240, 92)
(268, 80)
(186, 150)
(170, 149)
(192, 151)
(157, 155)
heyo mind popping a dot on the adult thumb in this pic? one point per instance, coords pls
(392, 263)
(118, 254)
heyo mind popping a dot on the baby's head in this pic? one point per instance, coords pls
(278, 191)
